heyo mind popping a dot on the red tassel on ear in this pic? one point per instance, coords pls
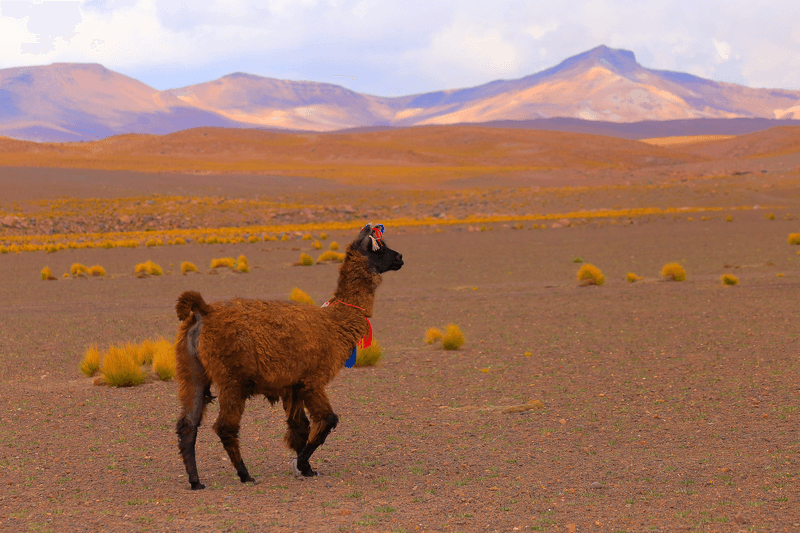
(378, 232)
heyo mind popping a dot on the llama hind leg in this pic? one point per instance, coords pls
(323, 421)
(194, 398)
(299, 427)
(231, 407)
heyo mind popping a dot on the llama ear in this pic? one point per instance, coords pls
(364, 233)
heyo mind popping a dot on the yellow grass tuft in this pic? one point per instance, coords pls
(673, 272)
(223, 262)
(794, 238)
(316, 245)
(144, 352)
(729, 219)
(433, 335)
(633, 278)
(307, 237)
(590, 275)
(370, 355)
(452, 338)
(253, 238)
(164, 360)
(179, 240)
(120, 369)
(91, 361)
(771, 216)
(730, 279)
(78, 269)
(305, 260)
(46, 274)
(148, 268)
(323, 236)
(330, 255)
(298, 295)
(334, 245)
(97, 270)
(186, 266)
(284, 237)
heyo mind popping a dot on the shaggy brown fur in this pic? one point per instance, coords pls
(282, 350)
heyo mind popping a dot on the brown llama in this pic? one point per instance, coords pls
(283, 350)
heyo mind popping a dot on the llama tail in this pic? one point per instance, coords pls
(190, 302)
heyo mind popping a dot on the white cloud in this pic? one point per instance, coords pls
(723, 50)
(537, 31)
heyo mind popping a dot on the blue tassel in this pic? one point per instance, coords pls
(350, 363)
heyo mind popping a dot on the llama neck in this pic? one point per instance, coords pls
(357, 284)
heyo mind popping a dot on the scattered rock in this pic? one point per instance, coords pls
(739, 519)
(595, 485)
(571, 528)
(564, 222)
(8, 221)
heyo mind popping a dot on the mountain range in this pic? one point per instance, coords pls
(73, 102)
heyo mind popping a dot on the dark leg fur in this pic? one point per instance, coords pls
(296, 435)
(231, 407)
(324, 420)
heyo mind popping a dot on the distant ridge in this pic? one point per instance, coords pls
(602, 90)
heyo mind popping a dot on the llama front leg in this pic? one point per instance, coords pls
(231, 407)
(323, 421)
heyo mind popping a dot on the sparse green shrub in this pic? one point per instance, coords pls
(452, 339)
(730, 279)
(370, 355)
(590, 275)
(673, 272)
(297, 295)
(91, 361)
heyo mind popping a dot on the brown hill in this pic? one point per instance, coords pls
(406, 155)
(772, 142)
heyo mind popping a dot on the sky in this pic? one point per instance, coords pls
(393, 48)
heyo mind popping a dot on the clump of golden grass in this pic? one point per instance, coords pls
(154, 242)
(144, 352)
(97, 270)
(316, 245)
(307, 237)
(334, 245)
(179, 240)
(65, 275)
(46, 274)
(164, 360)
(323, 236)
(452, 339)
(148, 268)
(186, 266)
(590, 275)
(729, 219)
(305, 260)
(242, 265)
(228, 262)
(253, 238)
(91, 361)
(730, 279)
(771, 216)
(78, 269)
(370, 355)
(794, 238)
(120, 369)
(330, 255)
(633, 278)
(298, 295)
(433, 335)
(284, 237)
(673, 272)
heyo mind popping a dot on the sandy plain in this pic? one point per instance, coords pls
(667, 406)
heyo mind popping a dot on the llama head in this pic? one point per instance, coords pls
(380, 257)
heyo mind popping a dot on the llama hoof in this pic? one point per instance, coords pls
(248, 479)
(196, 485)
(299, 474)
